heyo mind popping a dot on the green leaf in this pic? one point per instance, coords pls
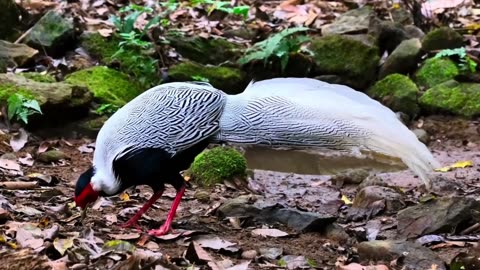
(14, 105)
(241, 10)
(32, 104)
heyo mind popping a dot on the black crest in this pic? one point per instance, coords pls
(84, 180)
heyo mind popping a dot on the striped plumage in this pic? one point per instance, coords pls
(158, 134)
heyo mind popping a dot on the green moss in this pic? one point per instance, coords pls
(442, 38)
(397, 92)
(346, 57)
(435, 71)
(219, 163)
(8, 89)
(230, 80)
(131, 61)
(452, 97)
(38, 77)
(107, 85)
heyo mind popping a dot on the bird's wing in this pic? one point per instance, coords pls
(172, 117)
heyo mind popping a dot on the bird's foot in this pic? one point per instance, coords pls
(131, 224)
(164, 229)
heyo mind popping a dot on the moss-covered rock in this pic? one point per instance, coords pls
(58, 101)
(397, 92)
(38, 77)
(348, 58)
(442, 38)
(435, 71)
(228, 79)
(403, 59)
(217, 164)
(452, 97)
(205, 51)
(52, 33)
(107, 85)
(131, 61)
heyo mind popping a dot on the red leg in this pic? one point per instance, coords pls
(133, 222)
(165, 228)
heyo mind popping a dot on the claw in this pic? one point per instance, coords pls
(131, 224)
(161, 231)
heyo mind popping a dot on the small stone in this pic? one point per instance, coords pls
(369, 195)
(403, 59)
(336, 233)
(202, 196)
(352, 21)
(9, 156)
(350, 177)
(51, 156)
(442, 38)
(249, 254)
(271, 253)
(421, 134)
(407, 254)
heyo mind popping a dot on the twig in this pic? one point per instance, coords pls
(470, 229)
(14, 185)
(23, 35)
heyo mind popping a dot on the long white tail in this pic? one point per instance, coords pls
(300, 112)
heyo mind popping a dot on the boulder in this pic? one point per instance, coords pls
(107, 85)
(352, 60)
(403, 59)
(52, 97)
(442, 38)
(14, 55)
(350, 22)
(52, 33)
(205, 51)
(452, 97)
(435, 71)
(397, 92)
(228, 79)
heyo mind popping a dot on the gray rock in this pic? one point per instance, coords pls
(249, 254)
(435, 216)
(353, 21)
(336, 233)
(51, 156)
(355, 176)
(421, 134)
(403, 59)
(409, 256)
(13, 55)
(52, 33)
(369, 196)
(268, 212)
(414, 32)
(372, 180)
(271, 253)
(442, 38)
(388, 34)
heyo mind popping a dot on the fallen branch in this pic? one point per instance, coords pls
(18, 185)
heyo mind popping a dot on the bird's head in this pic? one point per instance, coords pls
(85, 192)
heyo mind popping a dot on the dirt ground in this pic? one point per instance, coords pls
(452, 140)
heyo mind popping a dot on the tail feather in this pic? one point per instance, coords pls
(300, 112)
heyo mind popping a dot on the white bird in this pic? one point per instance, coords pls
(158, 134)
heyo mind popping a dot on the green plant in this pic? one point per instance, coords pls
(466, 63)
(278, 45)
(225, 6)
(142, 67)
(106, 109)
(200, 78)
(21, 107)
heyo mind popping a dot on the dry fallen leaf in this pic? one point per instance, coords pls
(124, 196)
(269, 232)
(126, 236)
(27, 160)
(456, 165)
(62, 245)
(19, 140)
(346, 200)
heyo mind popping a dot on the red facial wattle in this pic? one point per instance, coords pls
(87, 196)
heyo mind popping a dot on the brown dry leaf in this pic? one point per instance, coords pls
(124, 196)
(290, 3)
(126, 236)
(196, 253)
(29, 235)
(86, 148)
(37, 4)
(213, 242)
(269, 232)
(18, 140)
(438, 6)
(43, 147)
(356, 266)
(105, 32)
(241, 266)
(10, 165)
